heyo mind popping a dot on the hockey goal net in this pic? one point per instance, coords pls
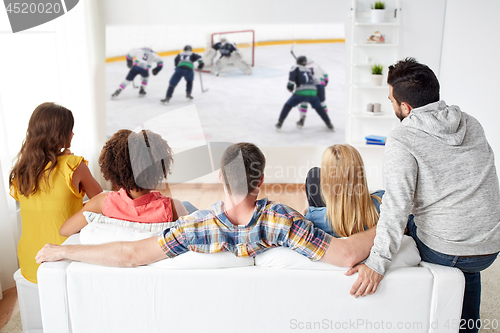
(244, 41)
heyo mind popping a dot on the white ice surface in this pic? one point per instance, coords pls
(236, 107)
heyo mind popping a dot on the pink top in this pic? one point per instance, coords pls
(153, 207)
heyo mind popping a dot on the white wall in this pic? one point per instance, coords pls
(60, 61)
(120, 39)
(169, 25)
(227, 12)
(422, 31)
(470, 70)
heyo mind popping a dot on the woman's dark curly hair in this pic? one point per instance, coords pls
(136, 161)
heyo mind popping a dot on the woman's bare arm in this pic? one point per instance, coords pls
(76, 222)
(83, 180)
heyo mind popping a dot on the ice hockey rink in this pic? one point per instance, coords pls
(235, 107)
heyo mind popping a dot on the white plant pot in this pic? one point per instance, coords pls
(378, 15)
(377, 79)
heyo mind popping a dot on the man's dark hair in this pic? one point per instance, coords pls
(413, 83)
(242, 167)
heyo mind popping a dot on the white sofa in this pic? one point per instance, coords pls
(278, 291)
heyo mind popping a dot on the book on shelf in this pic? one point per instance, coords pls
(375, 143)
(377, 138)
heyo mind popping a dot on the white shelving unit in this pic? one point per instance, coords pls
(361, 56)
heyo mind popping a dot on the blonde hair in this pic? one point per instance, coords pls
(349, 205)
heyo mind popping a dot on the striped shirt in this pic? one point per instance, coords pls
(272, 224)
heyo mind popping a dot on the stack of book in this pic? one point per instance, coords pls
(375, 140)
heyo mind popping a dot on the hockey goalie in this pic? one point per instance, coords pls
(229, 55)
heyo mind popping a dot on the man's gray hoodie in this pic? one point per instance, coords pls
(439, 167)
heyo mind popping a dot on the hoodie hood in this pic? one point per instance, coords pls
(444, 122)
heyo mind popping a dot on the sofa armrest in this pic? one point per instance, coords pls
(447, 298)
(53, 293)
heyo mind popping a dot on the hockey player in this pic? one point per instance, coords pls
(184, 69)
(144, 58)
(228, 54)
(320, 78)
(305, 91)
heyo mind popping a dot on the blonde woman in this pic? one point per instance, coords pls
(338, 196)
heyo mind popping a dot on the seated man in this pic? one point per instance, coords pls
(243, 225)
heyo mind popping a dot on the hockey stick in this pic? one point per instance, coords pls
(133, 84)
(201, 83)
(291, 51)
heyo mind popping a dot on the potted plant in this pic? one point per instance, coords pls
(378, 12)
(377, 74)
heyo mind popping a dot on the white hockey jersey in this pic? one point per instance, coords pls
(319, 75)
(144, 58)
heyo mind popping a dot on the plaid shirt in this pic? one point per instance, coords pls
(272, 224)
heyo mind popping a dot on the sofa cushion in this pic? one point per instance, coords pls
(282, 257)
(195, 260)
(99, 218)
(99, 233)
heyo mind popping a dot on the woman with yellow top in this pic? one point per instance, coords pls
(48, 181)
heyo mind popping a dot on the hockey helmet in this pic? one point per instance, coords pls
(188, 48)
(301, 60)
(223, 39)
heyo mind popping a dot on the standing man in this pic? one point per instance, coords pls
(184, 65)
(438, 166)
(301, 79)
(139, 61)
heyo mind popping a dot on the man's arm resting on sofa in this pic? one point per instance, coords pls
(119, 254)
(347, 252)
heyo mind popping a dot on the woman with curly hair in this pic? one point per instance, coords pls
(136, 163)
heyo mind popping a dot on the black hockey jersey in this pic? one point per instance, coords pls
(303, 80)
(186, 59)
(225, 49)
